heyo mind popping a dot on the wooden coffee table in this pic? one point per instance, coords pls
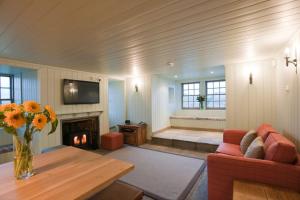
(67, 173)
(243, 190)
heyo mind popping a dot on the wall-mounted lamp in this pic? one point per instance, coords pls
(288, 60)
(250, 78)
(136, 87)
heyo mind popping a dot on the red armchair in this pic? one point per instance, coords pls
(223, 168)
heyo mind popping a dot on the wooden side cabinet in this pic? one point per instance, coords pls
(134, 134)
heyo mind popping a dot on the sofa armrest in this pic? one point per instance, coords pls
(233, 136)
(224, 169)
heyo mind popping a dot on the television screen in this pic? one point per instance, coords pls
(80, 92)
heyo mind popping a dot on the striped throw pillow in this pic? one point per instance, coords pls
(247, 139)
(256, 149)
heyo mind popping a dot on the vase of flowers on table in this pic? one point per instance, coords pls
(201, 99)
(22, 122)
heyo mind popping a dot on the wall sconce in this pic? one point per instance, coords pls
(288, 60)
(136, 87)
(250, 78)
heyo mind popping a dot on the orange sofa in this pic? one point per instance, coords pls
(281, 166)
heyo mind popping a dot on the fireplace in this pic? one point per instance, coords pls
(81, 132)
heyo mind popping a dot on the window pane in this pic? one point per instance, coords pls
(222, 90)
(197, 86)
(185, 92)
(216, 98)
(222, 84)
(191, 92)
(191, 86)
(191, 104)
(216, 104)
(5, 93)
(197, 92)
(195, 98)
(222, 104)
(222, 98)
(5, 102)
(210, 85)
(210, 104)
(4, 81)
(185, 98)
(185, 86)
(216, 91)
(210, 91)
(216, 84)
(210, 97)
(196, 104)
(191, 98)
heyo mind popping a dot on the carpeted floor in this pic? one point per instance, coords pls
(161, 175)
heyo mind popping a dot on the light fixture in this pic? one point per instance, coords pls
(212, 72)
(136, 87)
(175, 76)
(171, 64)
(250, 78)
(288, 60)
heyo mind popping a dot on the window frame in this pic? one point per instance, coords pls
(182, 94)
(11, 77)
(209, 81)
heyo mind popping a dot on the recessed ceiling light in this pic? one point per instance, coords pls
(212, 72)
(175, 76)
(171, 64)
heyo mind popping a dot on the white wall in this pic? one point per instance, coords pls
(139, 103)
(116, 105)
(196, 112)
(162, 106)
(288, 90)
(250, 105)
(49, 92)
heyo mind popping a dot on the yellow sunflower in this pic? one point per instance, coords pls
(51, 112)
(32, 107)
(9, 107)
(14, 119)
(39, 121)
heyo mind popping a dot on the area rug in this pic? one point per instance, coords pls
(162, 176)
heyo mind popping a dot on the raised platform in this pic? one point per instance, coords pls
(205, 141)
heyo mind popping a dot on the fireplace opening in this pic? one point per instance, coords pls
(82, 133)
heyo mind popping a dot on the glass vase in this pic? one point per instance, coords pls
(23, 158)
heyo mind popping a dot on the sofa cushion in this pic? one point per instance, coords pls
(264, 130)
(256, 149)
(247, 139)
(230, 149)
(280, 149)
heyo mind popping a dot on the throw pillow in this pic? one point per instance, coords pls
(256, 149)
(247, 139)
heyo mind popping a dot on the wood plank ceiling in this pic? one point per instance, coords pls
(121, 37)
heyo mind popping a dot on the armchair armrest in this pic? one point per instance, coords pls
(224, 169)
(233, 136)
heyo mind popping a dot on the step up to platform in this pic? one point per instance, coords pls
(196, 146)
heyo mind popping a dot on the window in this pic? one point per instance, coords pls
(216, 94)
(6, 89)
(190, 92)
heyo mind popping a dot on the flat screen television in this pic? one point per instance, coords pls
(80, 92)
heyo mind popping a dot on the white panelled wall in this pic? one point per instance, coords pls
(163, 105)
(139, 103)
(250, 105)
(288, 90)
(49, 90)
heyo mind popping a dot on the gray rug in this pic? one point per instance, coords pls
(162, 176)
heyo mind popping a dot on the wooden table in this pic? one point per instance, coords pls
(67, 173)
(134, 134)
(243, 190)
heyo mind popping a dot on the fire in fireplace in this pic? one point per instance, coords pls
(82, 133)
